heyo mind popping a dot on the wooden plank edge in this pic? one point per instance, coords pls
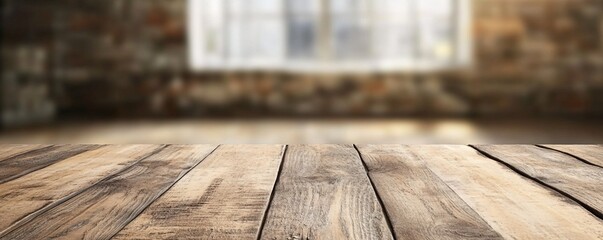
(381, 204)
(36, 213)
(569, 154)
(587, 207)
(269, 202)
(463, 200)
(41, 148)
(163, 191)
(40, 167)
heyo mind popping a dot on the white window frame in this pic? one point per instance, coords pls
(199, 60)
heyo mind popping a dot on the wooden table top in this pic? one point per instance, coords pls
(301, 191)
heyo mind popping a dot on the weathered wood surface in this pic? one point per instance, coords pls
(419, 203)
(592, 154)
(42, 189)
(10, 150)
(100, 211)
(300, 192)
(568, 175)
(324, 193)
(28, 162)
(514, 206)
(225, 197)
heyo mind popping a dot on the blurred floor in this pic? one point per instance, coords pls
(412, 131)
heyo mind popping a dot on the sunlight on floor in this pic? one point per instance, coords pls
(314, 131)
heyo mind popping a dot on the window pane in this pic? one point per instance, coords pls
(350, 37)
(213, 31)
(303, 7)
(349, 6)
(267, 40)
(350, 29)
(395, 33)
(236, 7)
(273, 7)
(391, 6)
(394, 42)
(301, 37)
(235, 34)
(436, 26)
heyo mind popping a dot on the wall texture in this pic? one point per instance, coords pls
(128, 58)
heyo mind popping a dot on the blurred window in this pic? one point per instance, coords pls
(330, 35)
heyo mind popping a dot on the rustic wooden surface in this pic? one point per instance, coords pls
(301, 192)
(104, 209)
(224, 197)
(581, 182)
(25, 163)
(324, 192)
(38, 191)
(419, 203)
(515, 206)
(10, 150)
(591, 154)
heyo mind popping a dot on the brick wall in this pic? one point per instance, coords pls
(128, 58)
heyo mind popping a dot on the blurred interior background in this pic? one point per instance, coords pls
(311, 71)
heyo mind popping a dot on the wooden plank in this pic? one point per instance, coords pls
(10, 150)
(23, 164)
(590, 153)
(324, 193)
(37, 191)
(102, 210)
(225, 197)
(419, 204)
(583, 182)
(514, 206)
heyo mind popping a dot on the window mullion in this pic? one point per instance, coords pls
(225, 31)
(324, 33)
(371, 33)
(416, 21)
(463, 32)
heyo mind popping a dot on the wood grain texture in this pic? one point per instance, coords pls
(324, 193)
(590, 153)
(514, 206)
(419, 203)
(565, 173)
(22, 164)
(224, 197)
(102, 210)
(39, 190)
(10, 150)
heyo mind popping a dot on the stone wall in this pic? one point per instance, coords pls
(128, 58)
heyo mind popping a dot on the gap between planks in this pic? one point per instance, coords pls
(584, 160)
(383, 208)
(422, 204)
(15, 150)
(315, 183)
(512, 204)
(226, 196)
(93, 200)
(165, 191)
(22, 164)
(377, 195)
(25, 219)
(278, 176)
(584, 205)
